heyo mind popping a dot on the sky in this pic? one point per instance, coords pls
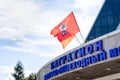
(25, 27)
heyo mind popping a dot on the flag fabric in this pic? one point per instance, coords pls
(65, 31)
(66, 41)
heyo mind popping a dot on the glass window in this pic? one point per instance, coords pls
(104, 30)
(116, 19)
(107, 20)
(109, 11)
(110, 20)
(97, 23)
(98, 32)
(103, 21)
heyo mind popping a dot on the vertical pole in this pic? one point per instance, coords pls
(77, 39)
(82, 37)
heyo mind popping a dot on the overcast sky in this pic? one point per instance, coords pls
(25, 27)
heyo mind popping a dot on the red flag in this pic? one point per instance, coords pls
(66, 30)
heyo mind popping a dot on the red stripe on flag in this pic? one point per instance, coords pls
(66, 28)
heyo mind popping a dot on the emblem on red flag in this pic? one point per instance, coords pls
(66, 30)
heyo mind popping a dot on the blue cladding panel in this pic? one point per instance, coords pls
(107, 20)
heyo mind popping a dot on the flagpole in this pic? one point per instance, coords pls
(77, 39)
(82, 37)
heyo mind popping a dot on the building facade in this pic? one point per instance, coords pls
(93, 60)
(98, 58)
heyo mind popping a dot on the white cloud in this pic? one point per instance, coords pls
(23, 17)
(26, 16)
(88, 11)
(19, 18)
(30, 46)
(87, 6)
(8, 32)
(20, 15)
(6, 69)
(9, 77)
